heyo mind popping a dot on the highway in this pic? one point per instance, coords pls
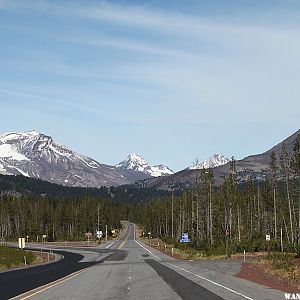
(128, 269)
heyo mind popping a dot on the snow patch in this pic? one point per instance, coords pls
(2, 169)
(19, 170)
(214, 161)
(136, 163)
(7, 151)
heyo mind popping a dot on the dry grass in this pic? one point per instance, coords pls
(286, 271)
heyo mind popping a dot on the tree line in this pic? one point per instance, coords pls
(231, 214)
(215, 217)
(58, 219)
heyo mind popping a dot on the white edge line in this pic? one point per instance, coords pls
(110, 245)
(203, 278)
(148, 250)
(213, 282)
(145, 247)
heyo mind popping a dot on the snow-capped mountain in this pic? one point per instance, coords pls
(214, 161)
(137, 163)
(36, 155)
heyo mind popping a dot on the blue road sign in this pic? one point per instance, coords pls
(185, 238)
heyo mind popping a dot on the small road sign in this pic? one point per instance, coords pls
(268, 237)
(21, 243)
(185, 238)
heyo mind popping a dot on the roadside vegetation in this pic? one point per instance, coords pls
(285, 266)
(231, 218)
(11, 257)
(220, 220)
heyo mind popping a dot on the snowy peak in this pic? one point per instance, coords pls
(161, 170)
(214, 161)
(136, 163)
(37, 155)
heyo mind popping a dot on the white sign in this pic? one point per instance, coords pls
(99, 234)
(44, 236)
(268, 237)
(21, 243)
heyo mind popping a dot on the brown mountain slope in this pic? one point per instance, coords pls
(254, 165)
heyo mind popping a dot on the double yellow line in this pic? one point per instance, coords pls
(123, 243)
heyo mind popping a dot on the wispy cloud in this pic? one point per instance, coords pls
(151, 67)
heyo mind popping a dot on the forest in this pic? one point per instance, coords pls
(232, 216)
(237, 217)
(32, 207)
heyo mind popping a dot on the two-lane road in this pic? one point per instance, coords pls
(131, 270)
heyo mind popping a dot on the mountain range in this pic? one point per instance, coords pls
(254, 166)
(36, 155)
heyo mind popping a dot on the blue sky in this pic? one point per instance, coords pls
(169, 80)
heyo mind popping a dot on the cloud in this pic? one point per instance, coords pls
(194, 60)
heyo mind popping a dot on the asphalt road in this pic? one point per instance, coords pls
(130, 270)
(16, 282)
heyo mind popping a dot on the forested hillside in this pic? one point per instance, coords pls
(28, 186)
(231, 215)
(216, 217)
(34, 207)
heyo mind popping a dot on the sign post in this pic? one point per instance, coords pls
(281, 242)
(88, 235)
(44, 238)
(268, 238)
(106, 233)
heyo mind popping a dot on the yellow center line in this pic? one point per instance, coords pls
(122, 244)
(47, 286)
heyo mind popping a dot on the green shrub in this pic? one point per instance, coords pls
(11, 257)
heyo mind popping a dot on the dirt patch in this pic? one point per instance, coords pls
(256, 273)
(41, 257)
(71, 244)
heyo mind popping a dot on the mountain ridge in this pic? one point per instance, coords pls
(137, 163)
(34, 154)
(212, 162)
(253, 165)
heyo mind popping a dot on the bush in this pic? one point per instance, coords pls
(10, 257)
(281, 260)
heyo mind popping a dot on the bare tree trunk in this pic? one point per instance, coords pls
(285, 226)
(172, 216)
(238, 223)
(180, 217)
(290, 208)
(258, 207)
(275, 214)
(197, 221)
(210, 215)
